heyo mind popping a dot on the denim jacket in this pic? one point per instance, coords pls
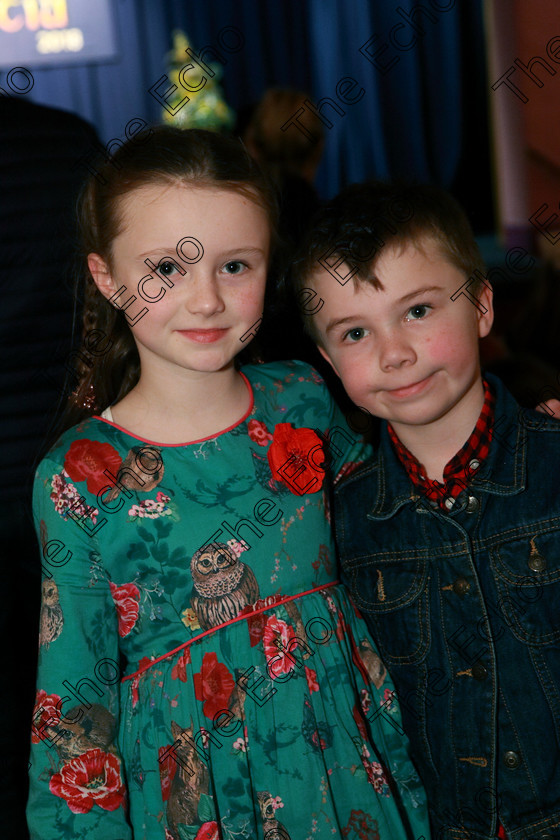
(465, 608)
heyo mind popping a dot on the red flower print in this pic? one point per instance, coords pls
(364, 826)
(375, 774)
(134, 691)
(167, 770)
(278, 646)
(126, 599)
(208, 831)
(259, 433)
(179, 670)
(46, 713)
(257, 623)
(214, 685)
(87, 460)
(360, 722)
(136, 681)
(295, 457)
(90, 779)
(388, 697)
(311, 676)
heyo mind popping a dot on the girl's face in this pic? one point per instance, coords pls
(196, 259)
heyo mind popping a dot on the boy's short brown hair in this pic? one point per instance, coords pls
(348, 234)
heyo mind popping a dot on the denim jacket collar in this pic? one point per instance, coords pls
(504, 472)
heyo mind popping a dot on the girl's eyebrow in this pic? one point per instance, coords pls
(242, 249)
(172, 251)
(166, 252)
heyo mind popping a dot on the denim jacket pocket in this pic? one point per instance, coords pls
(393, 593)
(527, 573)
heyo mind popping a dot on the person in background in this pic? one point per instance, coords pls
(291, 158)
(40, 149)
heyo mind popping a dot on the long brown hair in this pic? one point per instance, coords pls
(107, 364)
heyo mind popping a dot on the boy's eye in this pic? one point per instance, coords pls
(418, 311)
(234, 267)
(167, 268)
(355, 334)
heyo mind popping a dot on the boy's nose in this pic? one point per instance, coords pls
(395, 352)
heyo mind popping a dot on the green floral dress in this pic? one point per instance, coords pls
(202, 674)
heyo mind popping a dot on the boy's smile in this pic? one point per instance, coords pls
(407, 352)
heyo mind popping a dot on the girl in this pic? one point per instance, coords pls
(201, 673)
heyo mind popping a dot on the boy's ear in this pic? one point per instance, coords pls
(101, 274)
(327, 358)
(485, 319)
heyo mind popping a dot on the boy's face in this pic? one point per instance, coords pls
(408, 354)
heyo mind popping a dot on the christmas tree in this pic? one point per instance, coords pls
(207, 107)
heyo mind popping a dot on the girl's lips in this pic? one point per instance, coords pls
(204, 336)
(411, 390)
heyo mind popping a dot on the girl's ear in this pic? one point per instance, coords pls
(102, 278)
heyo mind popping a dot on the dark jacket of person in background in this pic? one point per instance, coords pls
(40, 173)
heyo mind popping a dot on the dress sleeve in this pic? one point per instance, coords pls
(76, 772)
(344, 441)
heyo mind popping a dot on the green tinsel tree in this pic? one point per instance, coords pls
(207, 107)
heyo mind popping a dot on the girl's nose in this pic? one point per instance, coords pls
(204, 297)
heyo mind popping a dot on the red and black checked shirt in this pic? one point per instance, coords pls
(459, 470)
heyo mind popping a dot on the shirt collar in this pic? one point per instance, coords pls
(461, 468)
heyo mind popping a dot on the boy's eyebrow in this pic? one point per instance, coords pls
(426, 290)
(337, 322)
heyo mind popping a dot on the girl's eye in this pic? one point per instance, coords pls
(234, 267)
(417, 312)
(167, 268)
(355, 335)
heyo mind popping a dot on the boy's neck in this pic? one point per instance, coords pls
(435, 444)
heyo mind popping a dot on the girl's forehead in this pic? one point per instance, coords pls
(160, 214)
(194, 197)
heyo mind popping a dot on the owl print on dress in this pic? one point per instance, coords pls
(223, 585)
(93, 728)
(318, 734)
(190, 781)
(374, 666)
(272, 828)
(51, 621)
(141, 470)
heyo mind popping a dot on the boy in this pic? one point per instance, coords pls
(449, 537)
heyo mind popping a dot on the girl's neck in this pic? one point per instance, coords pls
(193, 407)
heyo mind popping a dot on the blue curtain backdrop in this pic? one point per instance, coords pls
(408, 121)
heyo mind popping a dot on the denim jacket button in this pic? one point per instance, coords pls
(511, 760)
(479, 672)
(472, 504)
(536, 562)
(461, 587)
